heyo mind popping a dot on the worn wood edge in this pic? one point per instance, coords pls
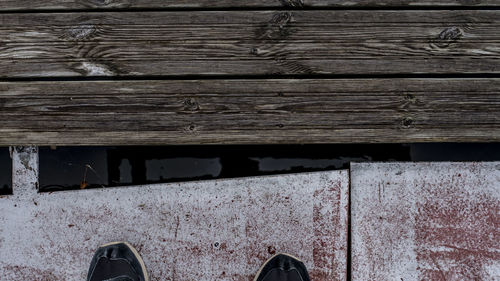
(60, 5)
(71, 138)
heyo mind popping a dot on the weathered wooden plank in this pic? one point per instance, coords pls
(12, 5)
(249, 111)
(249, 43)
(211, 230)
(427, 221)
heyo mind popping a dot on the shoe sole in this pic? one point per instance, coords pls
(136, 254)
(268, 260)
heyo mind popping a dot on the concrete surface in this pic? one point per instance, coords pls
(425, 221)
(211, 230)
(409, 221)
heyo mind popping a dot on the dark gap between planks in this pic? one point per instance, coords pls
(5, 171)
(252, 77)
(63, 168)
(66, 168)
(266, 8)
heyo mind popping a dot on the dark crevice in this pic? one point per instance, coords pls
(253, 77)
(64, 168)
(266, 8)
(5, 172)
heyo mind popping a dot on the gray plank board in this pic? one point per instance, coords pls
(249, 43)
(249, 111)
(11, 5)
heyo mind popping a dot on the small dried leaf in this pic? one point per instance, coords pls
(83, 184)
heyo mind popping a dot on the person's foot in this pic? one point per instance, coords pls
(117, 261)
(283, 267)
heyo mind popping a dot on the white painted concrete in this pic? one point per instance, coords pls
(211, 230)
(425, 221)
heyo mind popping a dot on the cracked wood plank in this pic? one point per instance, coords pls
(249, 111)
(13, 5)
(425, 221)
(249, 43)
(210, 230)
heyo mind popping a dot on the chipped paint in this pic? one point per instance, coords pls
(208, 230)
(425, 221)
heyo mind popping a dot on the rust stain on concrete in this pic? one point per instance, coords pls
(426, 221)
(210, 230)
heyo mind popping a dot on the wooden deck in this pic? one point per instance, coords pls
(228, 72)
(158, 72)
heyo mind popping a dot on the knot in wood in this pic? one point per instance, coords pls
(277, 28)
(407, 122)
(281, 19)
(191, 128)
(191, 104)
(410, 98)
(254, 51)
(450, 33)
(448, 36)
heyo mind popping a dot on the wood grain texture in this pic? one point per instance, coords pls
(249, 43)
(249, 111)
(12, 5)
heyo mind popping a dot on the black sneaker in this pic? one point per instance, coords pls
(283, 267)
(117, 261)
